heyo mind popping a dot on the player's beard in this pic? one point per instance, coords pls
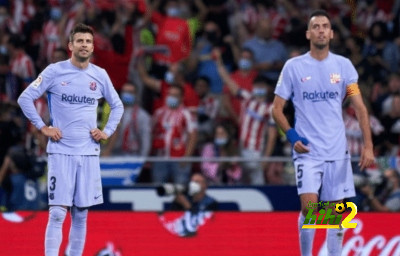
(81, 58)
(320, 46)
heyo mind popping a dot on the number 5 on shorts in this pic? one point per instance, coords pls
(299, 175)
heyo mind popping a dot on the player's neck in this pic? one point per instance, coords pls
(319, 54)
(79, 64)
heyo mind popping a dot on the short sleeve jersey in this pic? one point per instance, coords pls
(317, 90)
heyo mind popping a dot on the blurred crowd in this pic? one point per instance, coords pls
(196, 78)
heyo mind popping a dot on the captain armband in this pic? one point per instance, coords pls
(352, 90)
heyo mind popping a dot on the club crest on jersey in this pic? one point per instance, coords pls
(37, 82)
(335, 78)
(93, 86)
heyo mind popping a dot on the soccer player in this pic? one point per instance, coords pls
(74, 87)
(317, 83)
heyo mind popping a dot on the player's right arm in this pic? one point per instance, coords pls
(32, 93)
(283, 91)
(283, 123)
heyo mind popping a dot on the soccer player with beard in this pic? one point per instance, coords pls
(74, 87)
(317, 83)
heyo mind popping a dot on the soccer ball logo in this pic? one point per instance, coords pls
(340, 208)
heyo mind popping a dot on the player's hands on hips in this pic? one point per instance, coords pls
(299, 147)
(52, 132)
(367, 158)
(98, 134)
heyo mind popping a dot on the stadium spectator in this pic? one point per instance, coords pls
(258, 132)
(207, 111)
(10, 84)
(354, 133)
(173, 77)
(201, 60)
(223, 145)
(197, 200)
(382, 54)
(133, 135)
(16, 170)
(123, 38)
(21, 64)
(174, 135)
(389, 199)
(244, 77)
(269, 53)
(195, 203)
(172, 31)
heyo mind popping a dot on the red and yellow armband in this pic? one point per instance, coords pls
(352, 90)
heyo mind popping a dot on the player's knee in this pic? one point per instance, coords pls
(57, 214)
(79, 215)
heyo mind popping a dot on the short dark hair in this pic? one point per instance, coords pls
(262, 80)
(246, 49)
(80, 28)
(319, 13)
(205, 79)
(179, 88)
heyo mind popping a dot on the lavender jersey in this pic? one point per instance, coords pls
(317, 90)
(73, 95)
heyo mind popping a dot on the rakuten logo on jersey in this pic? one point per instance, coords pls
(75, 99)
(320, 96)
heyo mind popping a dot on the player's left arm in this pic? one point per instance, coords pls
(117, 109)
(367, 154)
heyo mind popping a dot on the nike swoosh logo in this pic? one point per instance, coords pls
(97, 197)
(345, 190)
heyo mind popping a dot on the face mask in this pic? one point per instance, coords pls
(173, 12)
(172, 102)
(245, 64)
(220, 141)
(55, 13)
(259, 92)
(127, 98)
(193, 188)
(169, 77)
(2, 18)
(3, 50)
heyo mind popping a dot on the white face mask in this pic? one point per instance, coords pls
(193, 188)
(169, 77)
(172, 101)
(173, 12)
(245, 64)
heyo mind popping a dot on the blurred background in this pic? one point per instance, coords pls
(219, 156)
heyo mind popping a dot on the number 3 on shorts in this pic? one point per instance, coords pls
(299, 175)
(52, 183)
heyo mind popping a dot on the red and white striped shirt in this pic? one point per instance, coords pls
(50, 40)
(255, 117)
(171, 128)
(209, 106)
(23, 67)
(23, 11)
(354, 134)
